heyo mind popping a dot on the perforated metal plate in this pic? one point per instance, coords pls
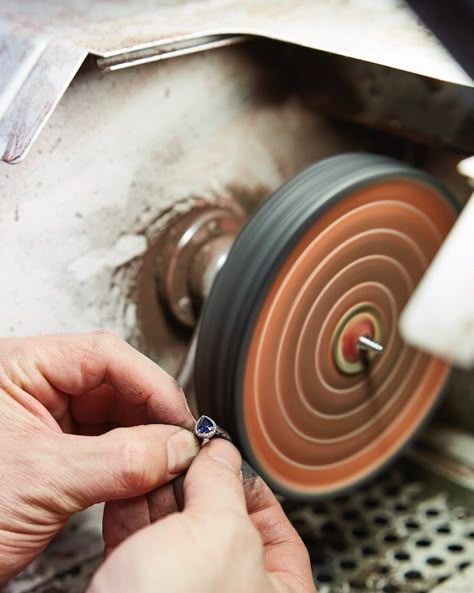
(393, 536)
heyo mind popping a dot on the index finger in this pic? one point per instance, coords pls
(284, 551)
(79, 363)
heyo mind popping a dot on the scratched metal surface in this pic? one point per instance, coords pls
(44, 47)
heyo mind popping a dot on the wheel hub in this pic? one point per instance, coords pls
(361, 321)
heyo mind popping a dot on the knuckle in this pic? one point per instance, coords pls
(132, 465)
(104, 337)
(276, 528)
(176, 384)
(93, 368)
(104, 332)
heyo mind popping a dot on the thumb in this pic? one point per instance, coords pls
(122, 463)
(218, 464)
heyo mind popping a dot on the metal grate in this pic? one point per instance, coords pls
(393, 536)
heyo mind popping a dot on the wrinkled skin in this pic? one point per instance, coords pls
(212, 532)
(86, 418)
(54, 391)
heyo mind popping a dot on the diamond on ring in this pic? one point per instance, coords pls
(206, 428)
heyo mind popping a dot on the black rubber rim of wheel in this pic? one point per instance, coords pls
(262, 246)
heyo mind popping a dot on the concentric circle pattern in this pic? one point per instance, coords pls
(361, 320)
(312, 424)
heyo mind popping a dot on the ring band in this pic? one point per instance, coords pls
(206, 428)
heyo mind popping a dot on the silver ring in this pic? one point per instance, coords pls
(206, 428)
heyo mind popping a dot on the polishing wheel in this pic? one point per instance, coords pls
(299, 355)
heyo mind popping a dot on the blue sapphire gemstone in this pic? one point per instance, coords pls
(205, 427)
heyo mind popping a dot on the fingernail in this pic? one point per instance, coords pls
(182, 448)
(178, 484)
(248, 473)
(225, 453)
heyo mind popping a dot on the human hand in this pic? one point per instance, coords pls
(232, 536)
(86, 384)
